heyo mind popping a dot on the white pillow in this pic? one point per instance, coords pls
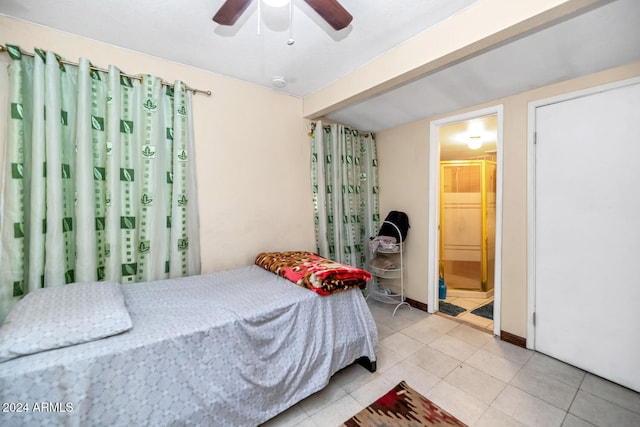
(61, 316)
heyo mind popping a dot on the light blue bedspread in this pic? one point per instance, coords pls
(233, 348)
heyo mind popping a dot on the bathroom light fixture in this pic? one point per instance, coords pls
(475, 142)
(474, 134)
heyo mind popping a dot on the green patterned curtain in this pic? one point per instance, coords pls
(99, 177)
(344, 170)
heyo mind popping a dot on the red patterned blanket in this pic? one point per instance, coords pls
(312, 271)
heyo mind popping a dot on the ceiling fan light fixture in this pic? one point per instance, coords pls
(276, 3)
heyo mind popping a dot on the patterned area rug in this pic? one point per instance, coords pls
(403, 406)
(485, 311)
(450, 309)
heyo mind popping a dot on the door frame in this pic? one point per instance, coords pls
(531, 189)
(434, 210)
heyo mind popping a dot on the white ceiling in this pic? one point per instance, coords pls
(603, 38)
(182, 31)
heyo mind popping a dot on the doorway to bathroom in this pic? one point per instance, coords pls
(465, 191)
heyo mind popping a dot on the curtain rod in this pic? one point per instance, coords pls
(312, 128)
(3, 48)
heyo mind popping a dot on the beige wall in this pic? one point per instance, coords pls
(251, 147)
(403, 178)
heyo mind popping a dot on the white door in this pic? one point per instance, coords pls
(587, 233)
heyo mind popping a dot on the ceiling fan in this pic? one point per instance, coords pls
(330, 10)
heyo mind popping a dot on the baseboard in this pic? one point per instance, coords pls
(513, 339)
(416, 304)
(504, 336)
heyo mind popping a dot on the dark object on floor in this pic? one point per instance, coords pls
(403, 406)
(367, 364)
(450, 309)
(485, 311)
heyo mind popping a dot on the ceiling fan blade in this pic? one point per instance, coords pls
(332, 12)
(230, 11)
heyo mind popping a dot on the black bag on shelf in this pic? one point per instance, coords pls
(401, 220)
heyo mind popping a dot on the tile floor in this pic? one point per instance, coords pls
(478, 378)
(471, 304)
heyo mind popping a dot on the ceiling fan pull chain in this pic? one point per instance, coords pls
(291, 40)
(259, 15)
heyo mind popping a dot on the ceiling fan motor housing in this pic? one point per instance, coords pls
(330, 10)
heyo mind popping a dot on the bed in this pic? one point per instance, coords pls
(231, 348)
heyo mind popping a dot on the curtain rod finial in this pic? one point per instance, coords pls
(312, 128)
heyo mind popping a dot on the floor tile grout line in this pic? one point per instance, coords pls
(462, 391)
(604, 398)
(521, 365)
(463, 322)
(607, 400)
(541, 399)
(573, 400)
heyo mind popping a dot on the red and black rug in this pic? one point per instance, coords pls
(403, 406)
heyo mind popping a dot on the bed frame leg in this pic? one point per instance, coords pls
(366, 363)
